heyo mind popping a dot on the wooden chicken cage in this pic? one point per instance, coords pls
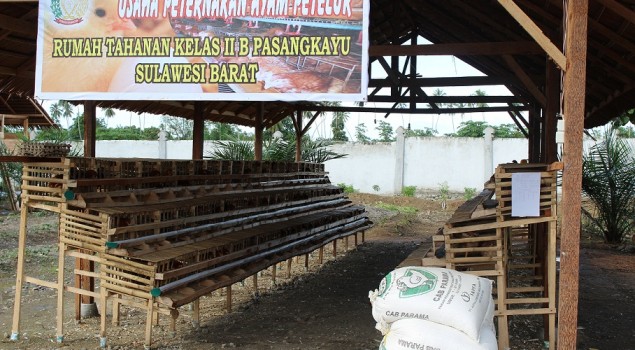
(165, 233)
(517, 253)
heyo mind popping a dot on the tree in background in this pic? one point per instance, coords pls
(608, 179)
(471, 128)
(338, 124)
(128, 133)
(108, 113)
(626, 132)
(360, 133)
(61, 109)
(506, 131)
(385, 132)
(286, 128)
(425, 132)
(275, 150)
(223, 131)
(478, 92)
(177, 128)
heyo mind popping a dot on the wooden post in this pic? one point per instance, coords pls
(198, 130)
(289, 267)
(116, 309)
(90, 127)
(87, 282)
(19, 279)
(196, 315)
(228, 301)
(574, 94)
(258, 132)
(306, 262)
(550, 121)
(321, 255)
(102, 324)
(335, 248)
(148, 338)
(273, 274)
(255, 279)
(60, 291)
(298, 137)
(78, 297)
(534, 134)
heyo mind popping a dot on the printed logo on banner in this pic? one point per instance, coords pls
(69, 12)
(416, 282)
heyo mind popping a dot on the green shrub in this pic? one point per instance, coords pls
(397, 208)
(347, 188)
(470, 192)
(409, 191)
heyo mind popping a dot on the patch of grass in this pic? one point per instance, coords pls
(397, 208)
(409, 191)
(347, 188)
(470, 192)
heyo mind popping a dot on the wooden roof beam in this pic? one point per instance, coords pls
(619, 9)
(449, 99)
(440, 82)
(525, 79)
(17, 25)
(418, 110)
(532, 29)
(458, 49)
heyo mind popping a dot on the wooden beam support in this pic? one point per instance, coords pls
(550, 116)
(17, 25)
(298, 136)
(457, 49)
(258, 132)
(440, 82)
(198, 130)
(449, 99)
(90, 127)
(619, 9)
(532, 29)
(525, 79)
(384, 110)
(574, 98)
(308, 125)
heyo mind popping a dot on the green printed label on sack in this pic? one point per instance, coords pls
(416, 282)
(384, 285)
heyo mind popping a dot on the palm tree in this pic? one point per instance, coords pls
(608, 179)
(109, 113)
(61, 109)
(275, 150)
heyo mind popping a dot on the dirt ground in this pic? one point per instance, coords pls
(324, 308)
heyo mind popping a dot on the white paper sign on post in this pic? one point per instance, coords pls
(526, 194)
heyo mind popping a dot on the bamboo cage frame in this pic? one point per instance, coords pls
(501, 247)
(165, 233)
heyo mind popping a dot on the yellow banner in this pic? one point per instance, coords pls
(311, 50)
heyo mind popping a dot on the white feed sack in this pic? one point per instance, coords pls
(444, 296)
(418, 334)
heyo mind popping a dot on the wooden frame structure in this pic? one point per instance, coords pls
(164, 233)
(514, 42)
(489, 242)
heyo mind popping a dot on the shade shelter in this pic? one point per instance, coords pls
(538, 49)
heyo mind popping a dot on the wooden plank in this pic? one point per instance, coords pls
(532, 29)
(17, 303)
(40, 282)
